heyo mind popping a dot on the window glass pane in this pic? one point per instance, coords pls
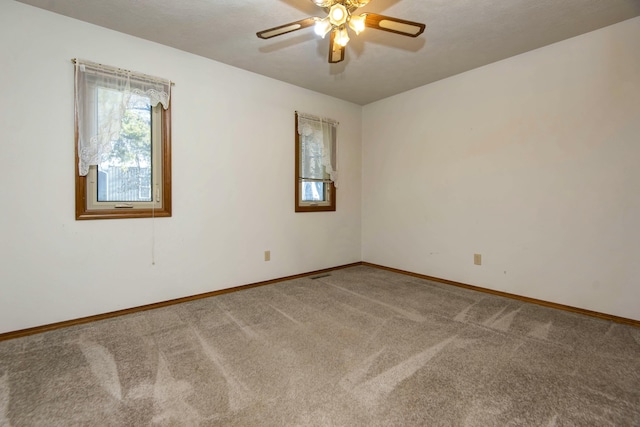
(311, 159)
(125, 174)
(313, 191)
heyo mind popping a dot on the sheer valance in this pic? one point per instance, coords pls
(321, 132)
(103, 94)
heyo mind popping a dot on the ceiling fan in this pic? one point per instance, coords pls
(340, 17)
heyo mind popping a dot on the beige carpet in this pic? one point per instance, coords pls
(361, 347)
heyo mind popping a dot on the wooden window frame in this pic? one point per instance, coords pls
(84, 213)
(331, 206)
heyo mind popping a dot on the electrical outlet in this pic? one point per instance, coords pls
(477, 259)
(267, 255)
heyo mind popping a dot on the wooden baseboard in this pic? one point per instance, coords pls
(583, 311)
(89, 319)
(52, 326)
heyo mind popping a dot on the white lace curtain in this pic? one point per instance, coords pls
(99, 119)
(320, 132)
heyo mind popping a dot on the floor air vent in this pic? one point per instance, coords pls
(320, 276)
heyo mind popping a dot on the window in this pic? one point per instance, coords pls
(315, 186)
(123, 143)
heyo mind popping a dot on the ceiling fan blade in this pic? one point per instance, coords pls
(286, 28)
(336, 52)
(393, 25)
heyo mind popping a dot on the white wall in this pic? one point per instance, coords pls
(233, 155)
(531, 162)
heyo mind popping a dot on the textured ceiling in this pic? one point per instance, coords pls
(460, 35)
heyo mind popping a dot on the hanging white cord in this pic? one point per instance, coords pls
(153, 232)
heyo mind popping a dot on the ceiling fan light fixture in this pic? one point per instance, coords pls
(357, 3)
(340, 19)
(356, 23)
(322, 27)
(342, 36)
(323, 3)
(338, 14)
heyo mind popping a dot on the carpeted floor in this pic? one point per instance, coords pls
(361, 347)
